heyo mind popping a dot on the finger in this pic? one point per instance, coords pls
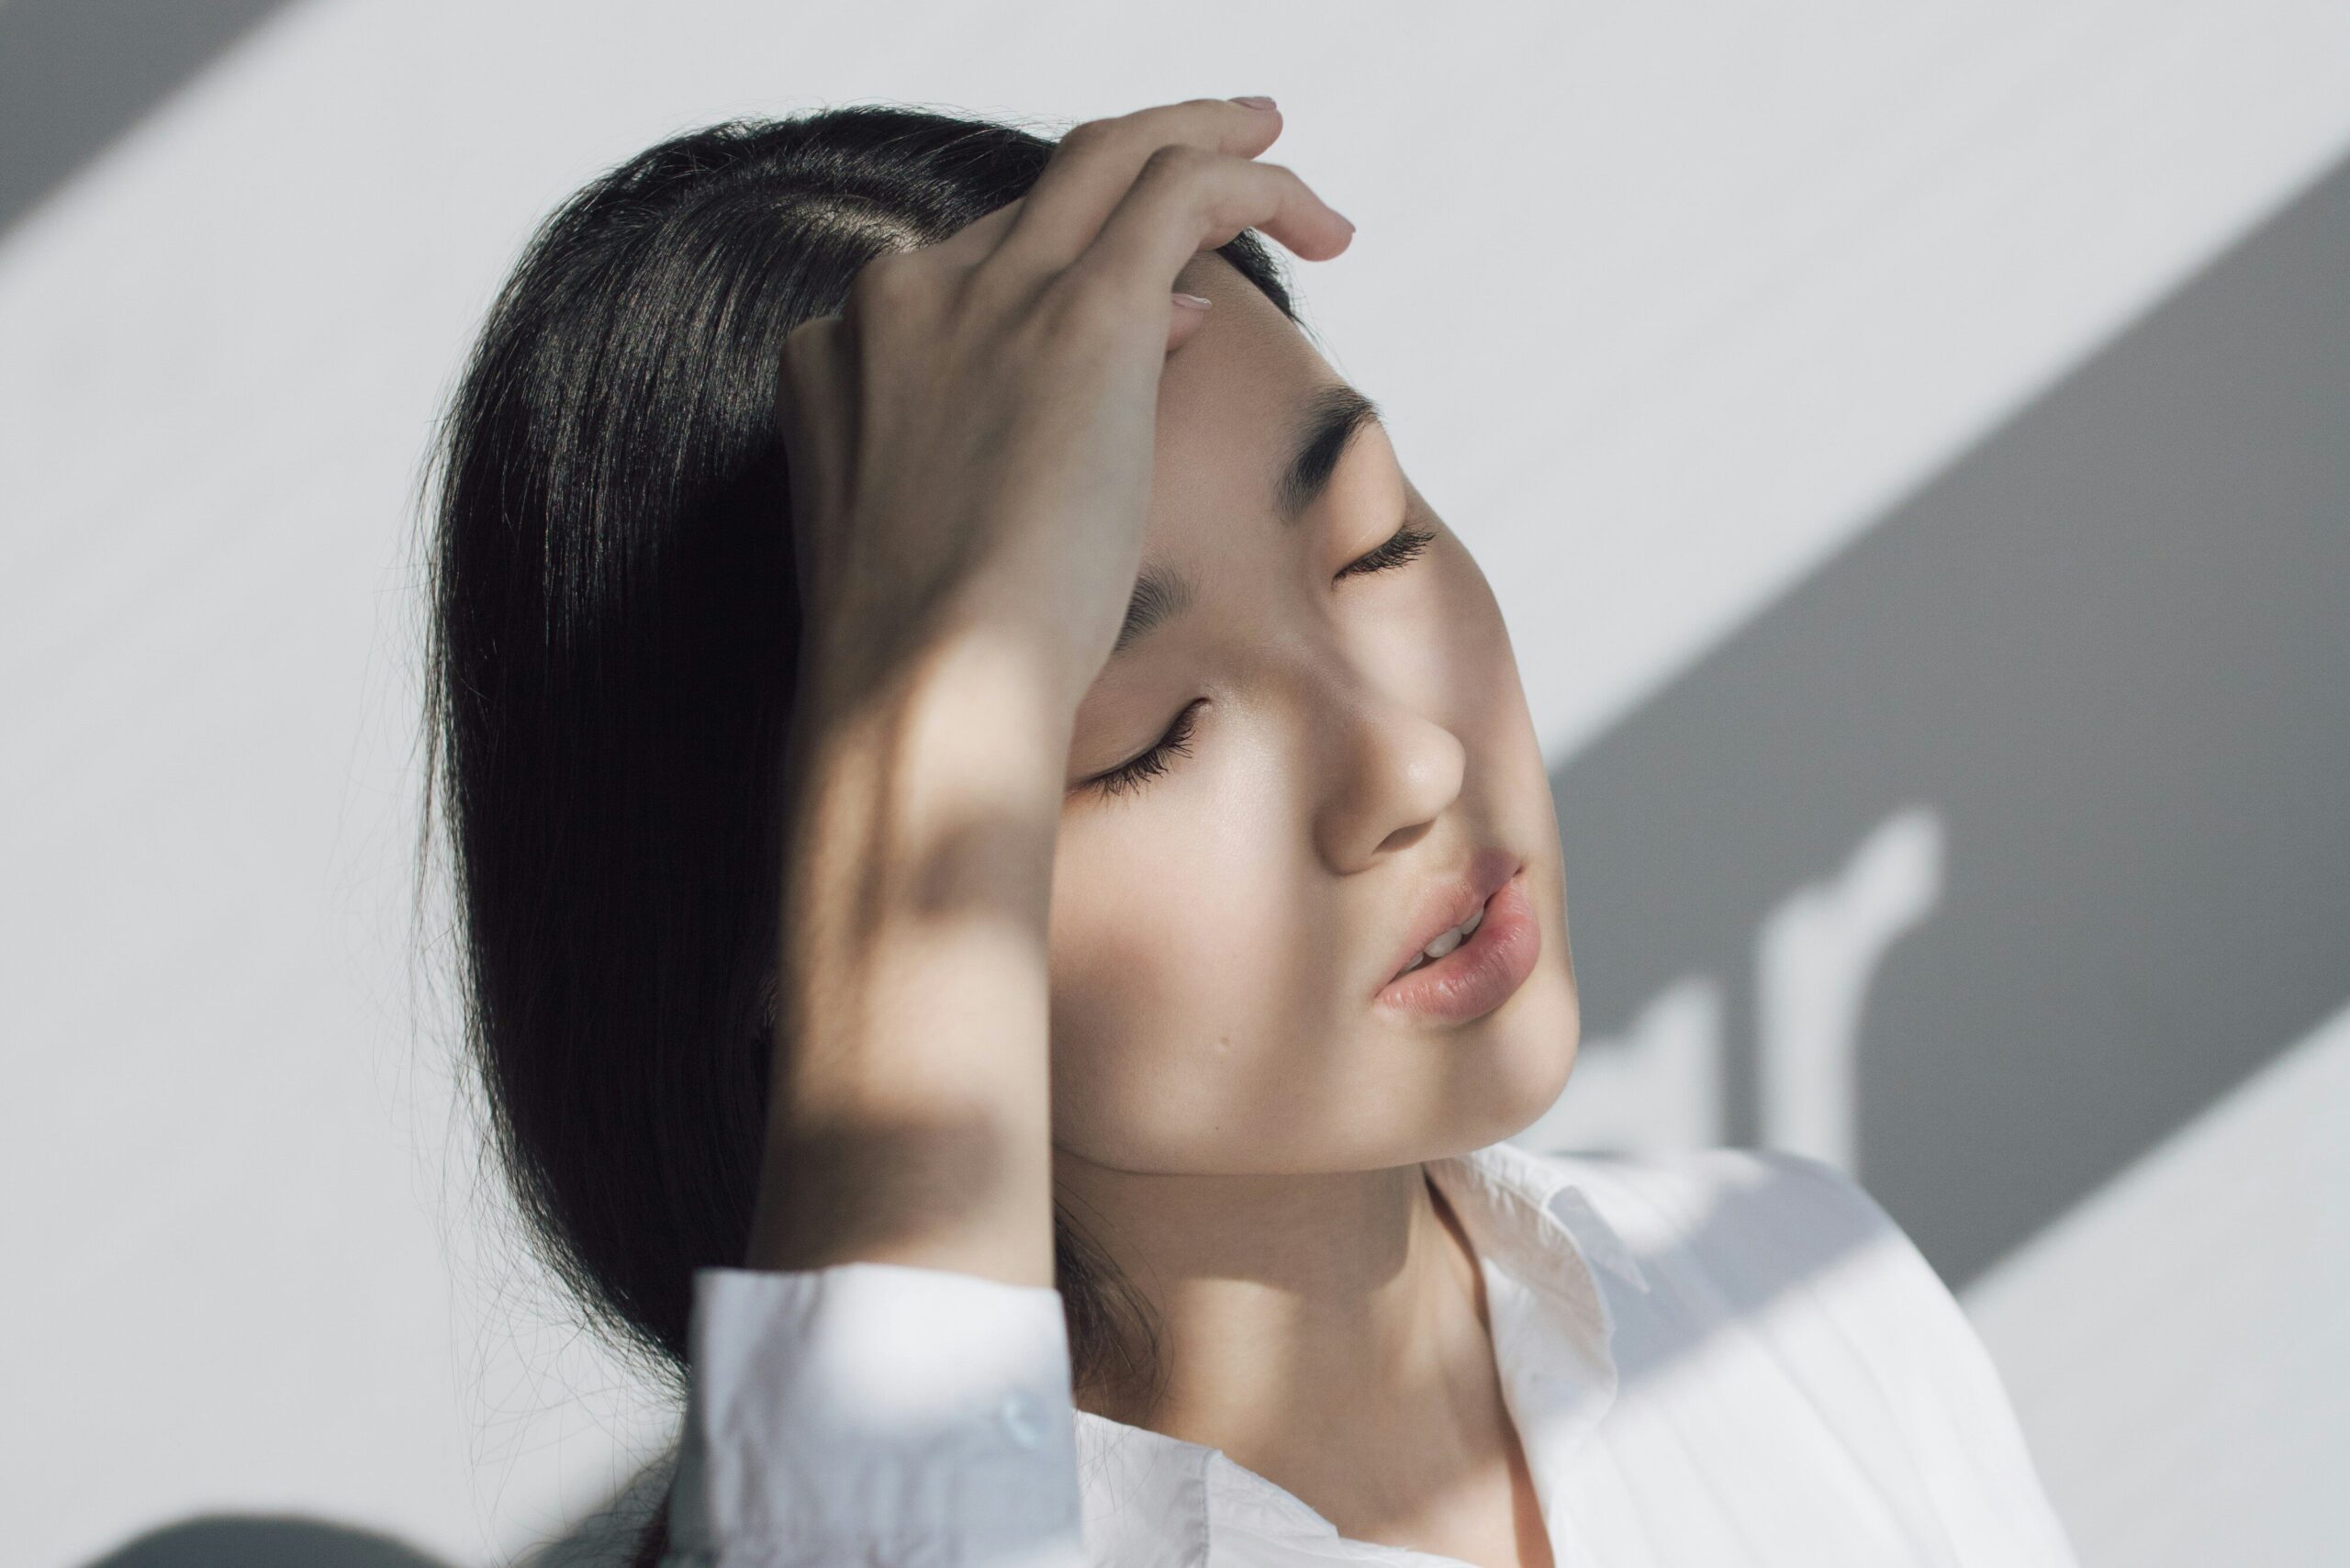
(1096, 161)
(978, 239)
(1186, 201)
(1185, 319)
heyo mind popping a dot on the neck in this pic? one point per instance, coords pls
(1327, 1330)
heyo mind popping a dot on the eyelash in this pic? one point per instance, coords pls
(1152, 763)
(1404, 546)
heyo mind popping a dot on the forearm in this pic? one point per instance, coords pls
(910, 1108)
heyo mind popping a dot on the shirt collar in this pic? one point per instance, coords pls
(1153, 1500)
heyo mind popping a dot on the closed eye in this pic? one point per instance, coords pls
(1134, 774)
(1404, 545)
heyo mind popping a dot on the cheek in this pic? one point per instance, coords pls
(1478, 672)
(1196, 1022)
(1182, 983)
(1453, 655)
(1535, 1050)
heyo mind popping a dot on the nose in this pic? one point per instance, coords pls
(1385, 770)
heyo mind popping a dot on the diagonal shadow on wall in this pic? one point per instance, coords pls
(2108, 649)
(75, 74)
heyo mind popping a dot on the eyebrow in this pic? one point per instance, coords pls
(1333, 415)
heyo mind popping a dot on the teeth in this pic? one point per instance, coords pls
(1449, 940)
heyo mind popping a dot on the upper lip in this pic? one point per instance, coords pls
(1446, 903)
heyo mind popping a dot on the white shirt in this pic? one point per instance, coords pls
(1723, 1357)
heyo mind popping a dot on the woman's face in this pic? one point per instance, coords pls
(1224, 923)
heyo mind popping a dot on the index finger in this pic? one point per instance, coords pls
(1188, 201)
(1099, 160)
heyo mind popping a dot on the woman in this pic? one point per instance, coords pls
(1011, 894)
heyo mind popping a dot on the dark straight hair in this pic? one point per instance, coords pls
(610, 653)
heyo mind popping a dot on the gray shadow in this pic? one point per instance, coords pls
(75, 74)
(610, 1536)
(613, 1535)
(2111, 646)
(255, 1542)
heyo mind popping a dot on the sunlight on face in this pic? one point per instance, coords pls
(1223, 918)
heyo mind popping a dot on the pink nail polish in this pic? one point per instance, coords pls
(1192, 301)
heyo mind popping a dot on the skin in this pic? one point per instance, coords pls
(1236, 1125)
(997, 987)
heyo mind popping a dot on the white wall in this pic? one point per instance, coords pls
(1667, 304)
(2174, 1344)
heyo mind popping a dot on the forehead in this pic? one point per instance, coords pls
(1229, 399)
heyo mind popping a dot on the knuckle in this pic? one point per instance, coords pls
(1178, 161)
(1086, 304)
(891, 278)
(807, 332)
(992, 289)
(806, 343)
(1088, 137)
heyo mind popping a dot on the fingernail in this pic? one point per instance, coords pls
(1192, 301)
(1256, 101)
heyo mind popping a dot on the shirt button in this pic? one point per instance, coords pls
(1021, 1420)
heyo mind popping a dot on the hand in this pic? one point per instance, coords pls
(971, 442)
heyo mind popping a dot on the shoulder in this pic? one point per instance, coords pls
(1767, 1257)
(1795, 1291)
(1654, 1187)
(1751, 1217)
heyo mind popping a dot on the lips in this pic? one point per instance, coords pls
(1452, 902)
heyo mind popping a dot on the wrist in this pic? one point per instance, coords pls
(910, 1094)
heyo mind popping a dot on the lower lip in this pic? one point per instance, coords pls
(1483, 973)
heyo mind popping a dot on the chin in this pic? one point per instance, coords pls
(1527, 1058)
